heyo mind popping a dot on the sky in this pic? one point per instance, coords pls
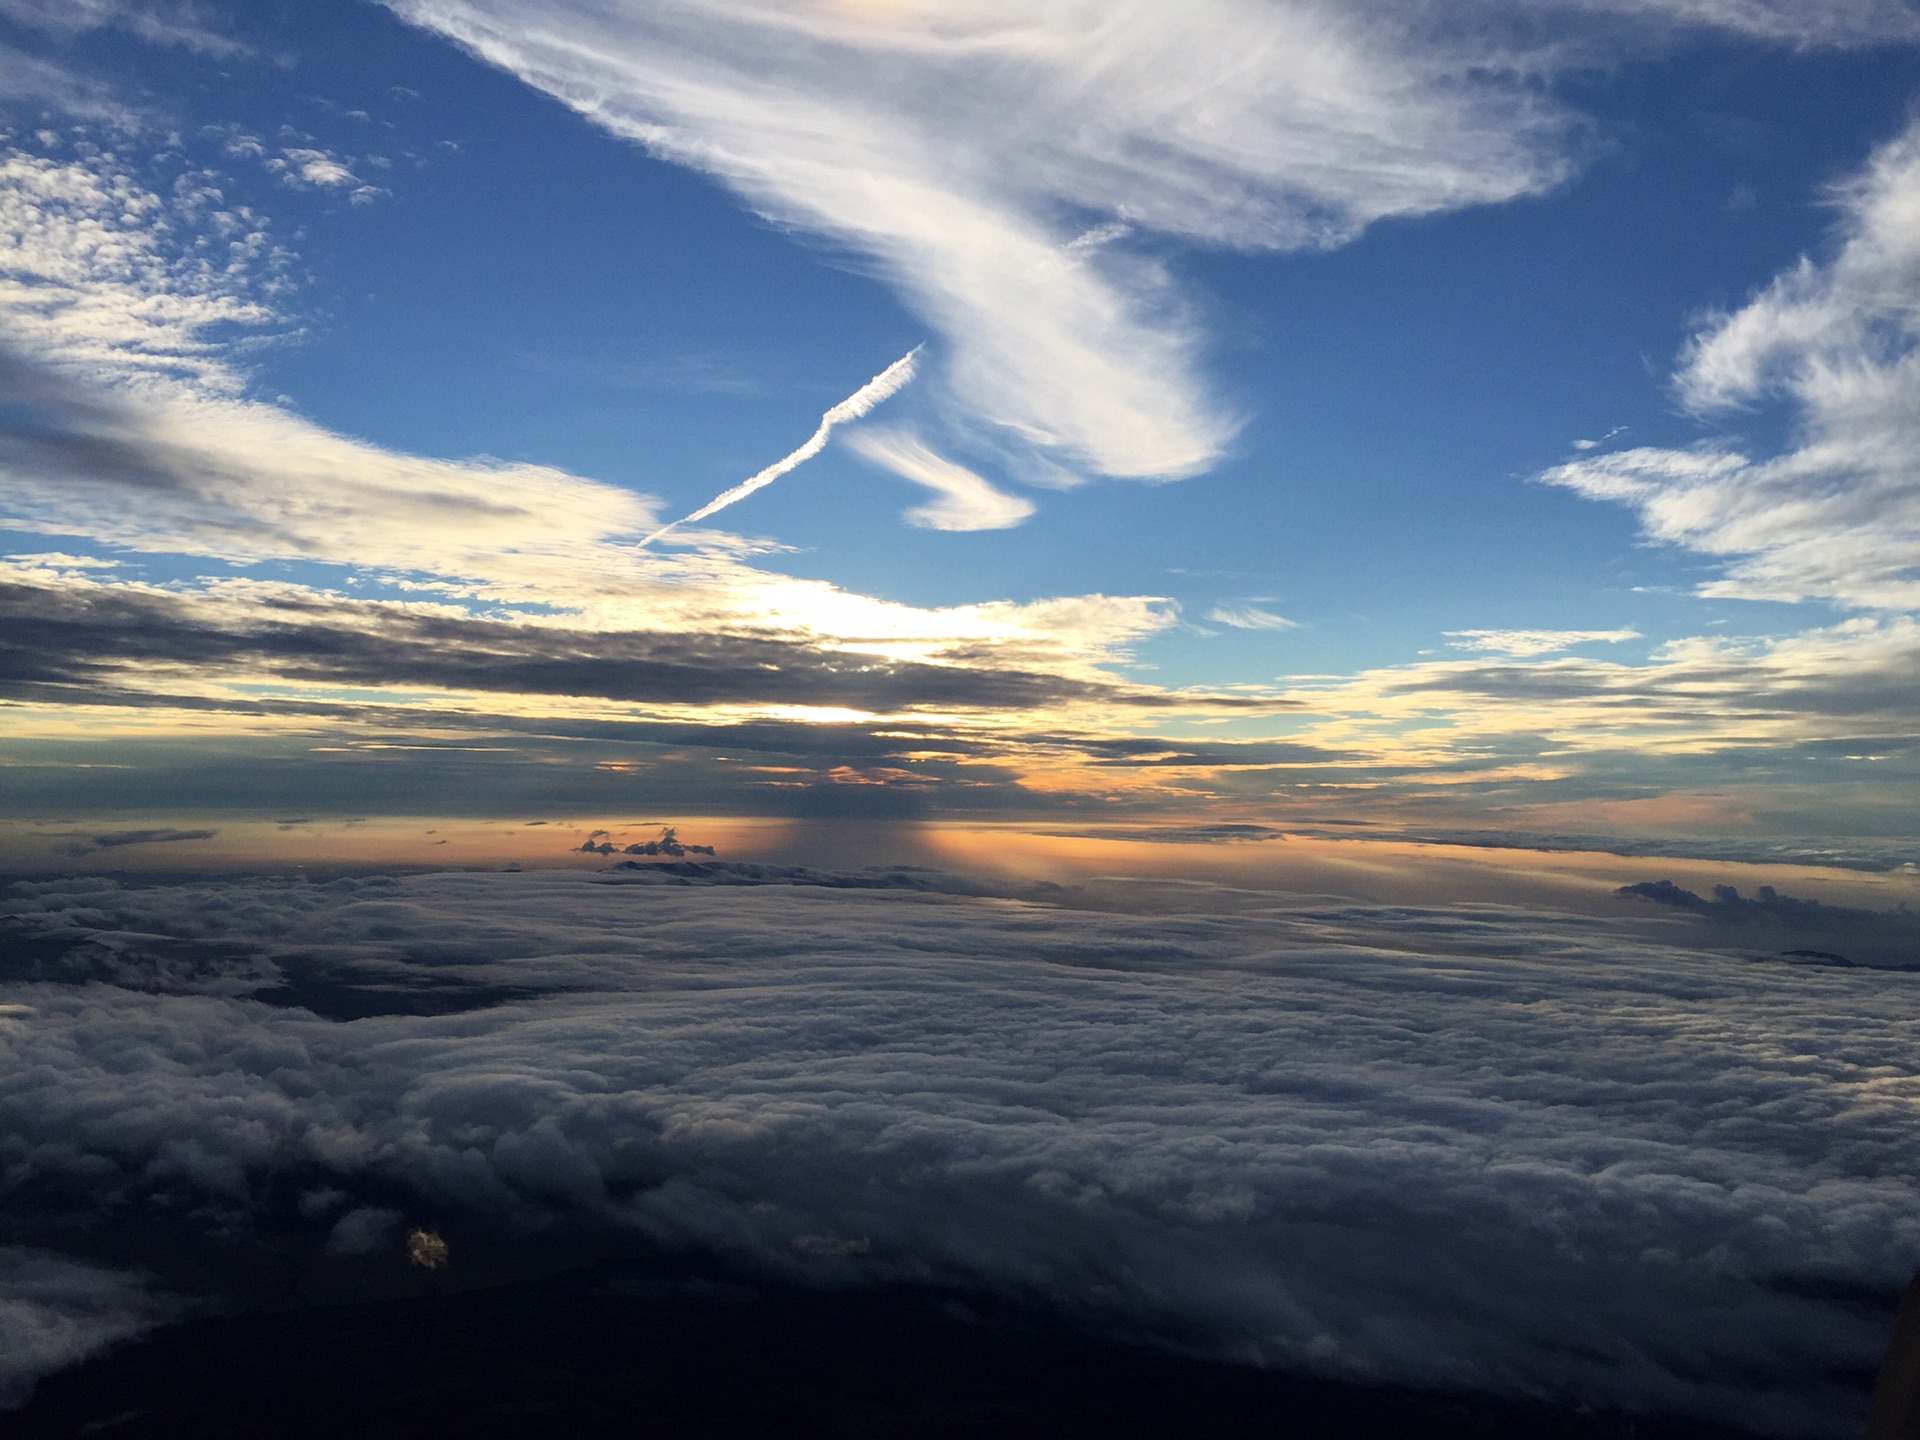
(1244, 672)
(1488, 415)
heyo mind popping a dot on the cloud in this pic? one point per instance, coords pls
(40, 81)
(1523, 643)
(363, 1231)
(1798, 22)
(1837, 516)
(56, 1311)
(1250, 617)
(668, 844)
(1457, 1146)
(303, 168)
(105, 278)
(115, 839)
(965, 500)
(1848, 682)
(967, 150)
(1793, 925)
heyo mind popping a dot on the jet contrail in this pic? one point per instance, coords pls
(889, 381)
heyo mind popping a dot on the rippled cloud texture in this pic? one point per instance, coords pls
(1468, 1146)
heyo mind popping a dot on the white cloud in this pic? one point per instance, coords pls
(110, 281)
(989, 156)
(119, 305)
(971, 149)
(1836, 517)
(965, 500)
(1456, 1146)
(1250, 617)
(1534, 642)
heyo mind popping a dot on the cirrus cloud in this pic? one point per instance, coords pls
(1837, 515)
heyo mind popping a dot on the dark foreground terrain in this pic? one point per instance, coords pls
(675, 1349)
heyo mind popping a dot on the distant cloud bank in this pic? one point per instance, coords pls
(1452, 1146)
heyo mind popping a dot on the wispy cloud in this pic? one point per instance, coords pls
(155, 21)
(965, 500)
(1534, 642)
(1010, 165)
(1250, 617)
(1798, 22)
(1837, 516)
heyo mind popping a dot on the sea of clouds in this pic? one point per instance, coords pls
(1469, 1146)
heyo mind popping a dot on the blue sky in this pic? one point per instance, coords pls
(1294, 362)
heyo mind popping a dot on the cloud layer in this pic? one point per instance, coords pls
(1467, 1146)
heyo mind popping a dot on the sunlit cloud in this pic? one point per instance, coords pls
(131, 427)
(1522, 643)
(963, 500)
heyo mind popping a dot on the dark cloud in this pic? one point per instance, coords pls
(88, 637)
(1460, 1146)
(56, 1311)
(1790, 923)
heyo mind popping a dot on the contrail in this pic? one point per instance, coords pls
(888, 382)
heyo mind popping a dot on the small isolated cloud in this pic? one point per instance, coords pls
(56, 1311)
(965, 501)
(303, 168)
(427, 1249)
(1522, 643)
(1250, 617)
(118, 839)
(363, 1231)
(1596, 444)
